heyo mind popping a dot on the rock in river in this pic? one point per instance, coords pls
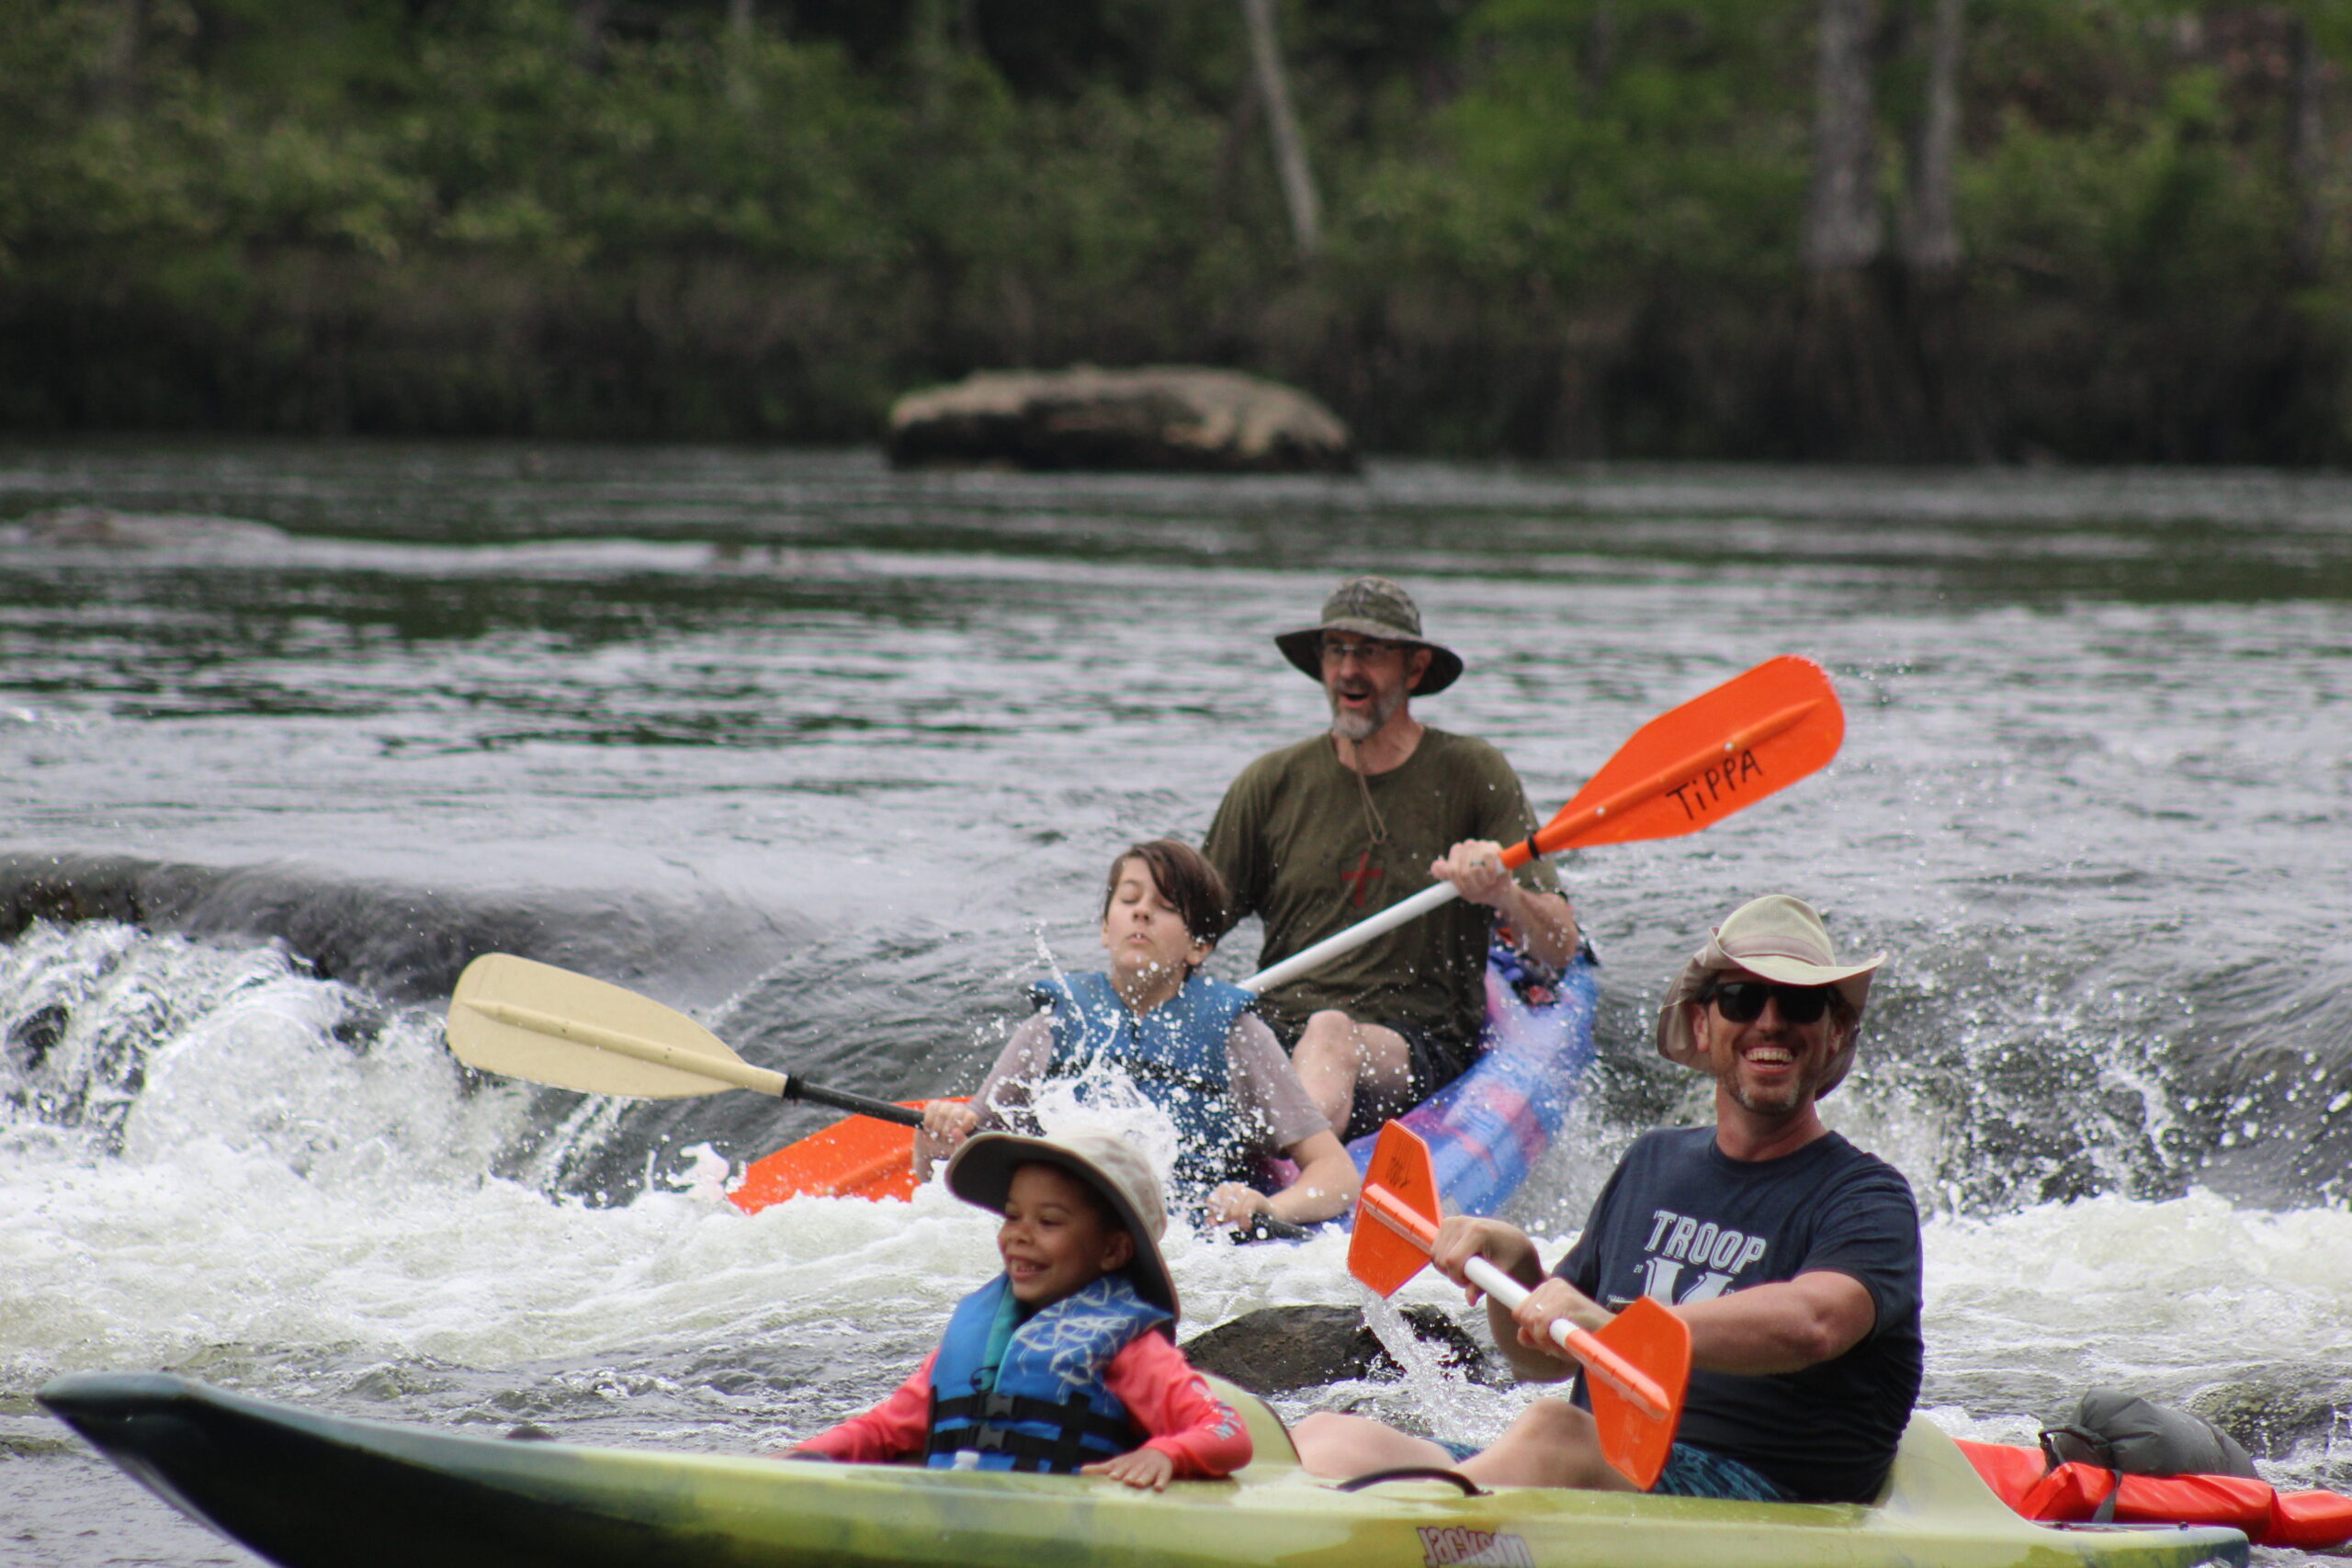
(1279, 1350)
(1179, 418)
(95, 527)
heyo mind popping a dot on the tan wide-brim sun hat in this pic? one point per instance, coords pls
(1374, 607)
(1774, 938)
(982, 1173)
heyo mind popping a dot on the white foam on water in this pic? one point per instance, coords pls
(274, 1187)
(271, 1185)
(123, 1264)
(1428, 1397)
(281, 1198)
(1104, 1097)
(2155, 1284)
(2191, 1300)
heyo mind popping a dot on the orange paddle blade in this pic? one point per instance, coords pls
(1694, 765)
(1397, 1212)
(1657, 1343)
(855, 1157)
(1636, 1368)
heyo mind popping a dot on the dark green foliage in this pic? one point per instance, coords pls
(1552, 227)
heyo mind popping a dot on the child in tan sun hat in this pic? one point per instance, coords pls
(1781, 940)
(1067, 1361)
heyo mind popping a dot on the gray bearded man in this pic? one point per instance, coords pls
(1319, 836)
(1793, 1256)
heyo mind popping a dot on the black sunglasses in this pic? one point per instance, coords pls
(1742, 1001)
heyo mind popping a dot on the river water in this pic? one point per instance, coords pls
(835, 759)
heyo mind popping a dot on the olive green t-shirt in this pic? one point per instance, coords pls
(1296, 845)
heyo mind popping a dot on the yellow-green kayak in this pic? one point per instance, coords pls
(311, 1491)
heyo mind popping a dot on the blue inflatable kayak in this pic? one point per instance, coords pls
(1485, 1130)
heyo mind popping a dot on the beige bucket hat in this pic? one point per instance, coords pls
(1374, 607)
(982, 1173)
(1775, 938)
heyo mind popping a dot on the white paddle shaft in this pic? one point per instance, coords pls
(1574, 822)
(1356, 936)
(1641, 1391)
(1508, 1292)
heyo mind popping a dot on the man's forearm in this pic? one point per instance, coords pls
(1527, 1364)
(1782, 1327)
(1545, 925)
(1516, 1256)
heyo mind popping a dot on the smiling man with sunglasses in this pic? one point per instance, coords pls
(1793, 1255)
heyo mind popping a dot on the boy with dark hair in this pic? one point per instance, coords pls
(1190, 1046)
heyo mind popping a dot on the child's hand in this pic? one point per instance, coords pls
(1233, 1203)
(1143, 1467)
(945, 1124)
(949, 1121)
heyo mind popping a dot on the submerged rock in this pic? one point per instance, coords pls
(2270, 1414)
(1165, 418)
(1278, 1351)
(100, 528)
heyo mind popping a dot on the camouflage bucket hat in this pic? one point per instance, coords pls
(1374, 607)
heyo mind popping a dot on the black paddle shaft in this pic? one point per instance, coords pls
(798, 1088)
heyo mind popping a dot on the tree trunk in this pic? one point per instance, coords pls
(1842, 228)
(1931, 247)
(930, 52)
(113, 86)
(1290, 149)
(588, 19)
(2307, 150)
(1240, 131)
(1601, 46)
(740, 94)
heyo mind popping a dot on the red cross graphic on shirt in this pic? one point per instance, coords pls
(1361, 878)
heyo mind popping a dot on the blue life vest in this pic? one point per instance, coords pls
(1175, 1054)
(1048, 1409)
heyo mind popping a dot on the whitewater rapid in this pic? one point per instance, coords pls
(835, 759)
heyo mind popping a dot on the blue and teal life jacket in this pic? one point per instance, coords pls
(1175, 1054)
(1044, 1406)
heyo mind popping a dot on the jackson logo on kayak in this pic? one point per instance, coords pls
(1473, 1549)
(1722, 781)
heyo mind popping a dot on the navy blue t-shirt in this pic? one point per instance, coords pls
(1682, 1221)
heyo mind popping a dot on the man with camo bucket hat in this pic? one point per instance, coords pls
(1319, 836)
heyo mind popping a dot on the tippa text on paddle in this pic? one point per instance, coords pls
(1721, 786)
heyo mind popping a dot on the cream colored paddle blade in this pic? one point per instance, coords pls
(533, 1021)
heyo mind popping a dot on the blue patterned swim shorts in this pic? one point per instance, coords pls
(1690, 1473)
(1695, 1472)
